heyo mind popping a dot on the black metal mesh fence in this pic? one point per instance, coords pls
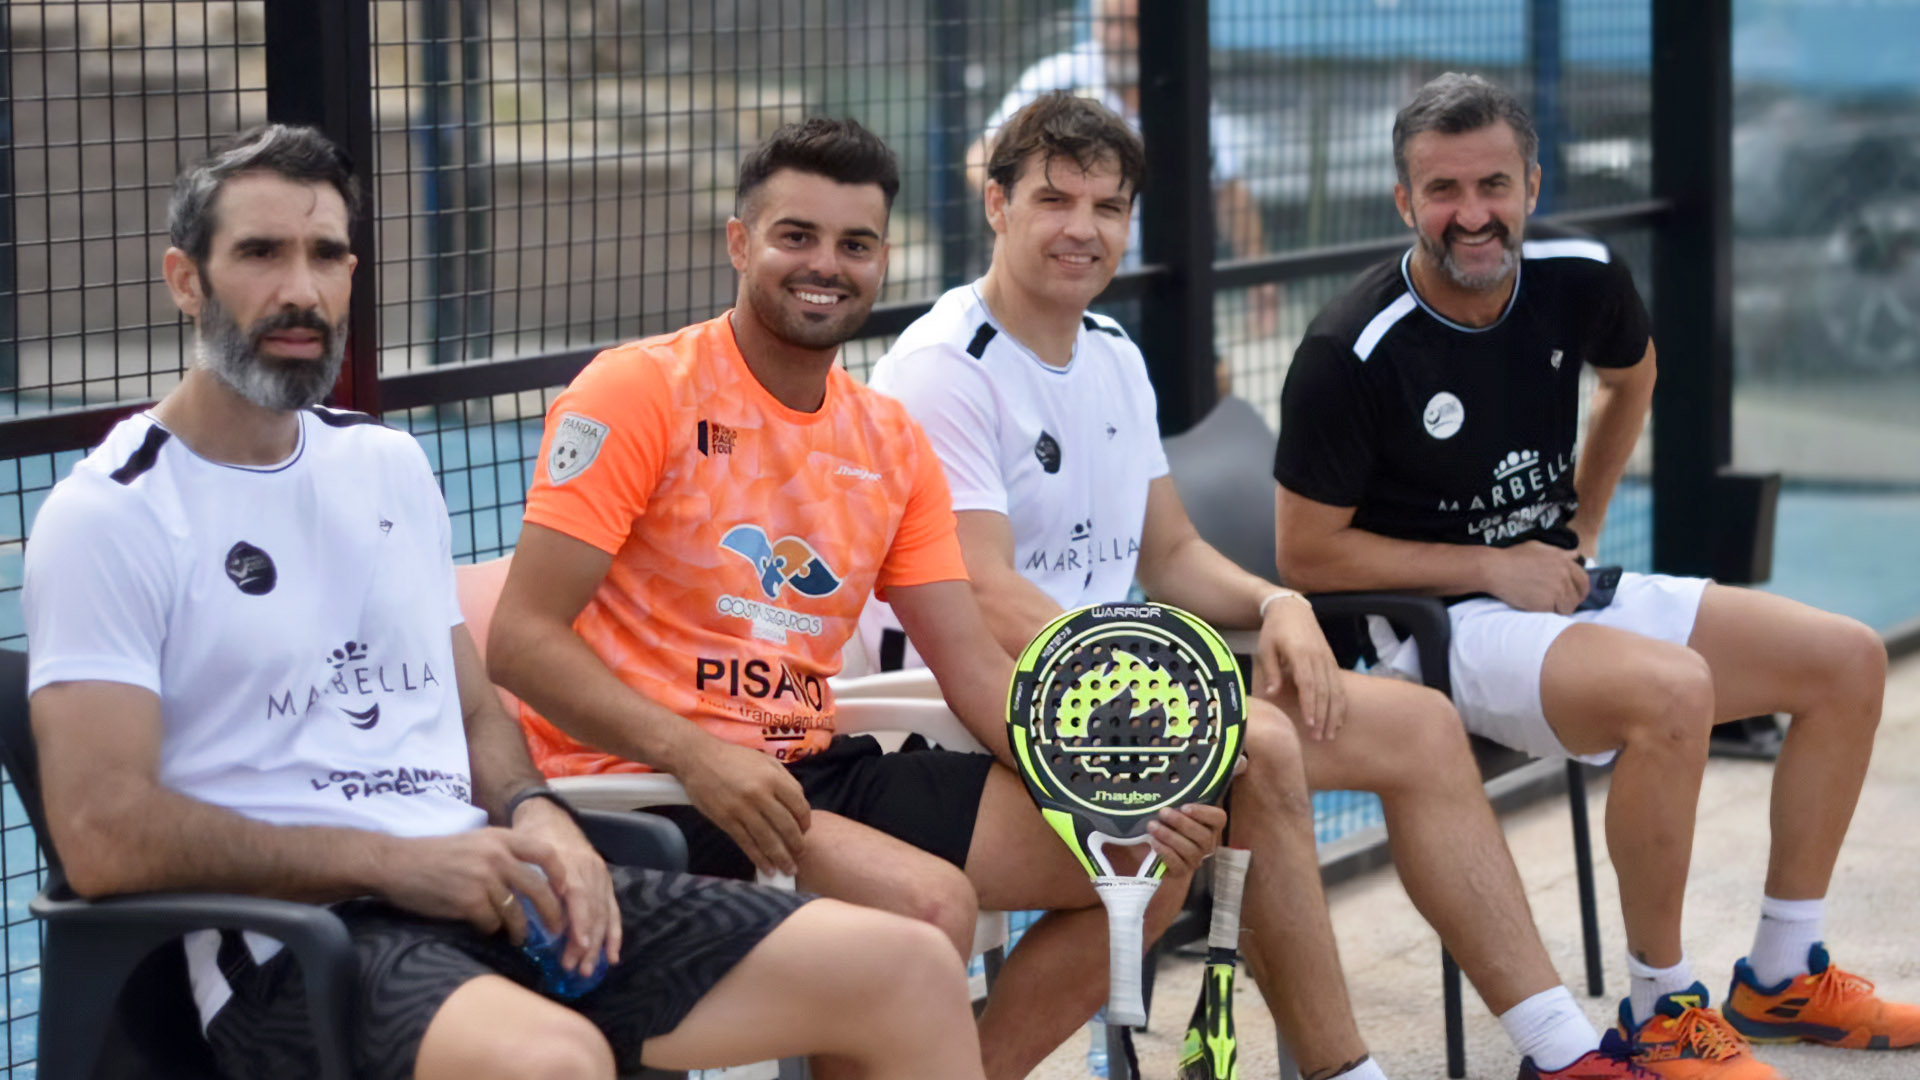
(552, 175)
(106, 100)
(555, 175)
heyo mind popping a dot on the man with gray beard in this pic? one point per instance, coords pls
(1427, 444)
(283, 359)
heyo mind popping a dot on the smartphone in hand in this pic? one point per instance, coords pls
(1601, 582)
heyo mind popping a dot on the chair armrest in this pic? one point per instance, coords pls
(317, 938)
(620, 791)
(928, 717)
(1423, 617)
(911, 683)
(629, 839)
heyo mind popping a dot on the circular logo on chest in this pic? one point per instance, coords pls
(251, 569)
(1443, 415)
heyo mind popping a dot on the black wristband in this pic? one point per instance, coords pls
(537, 791)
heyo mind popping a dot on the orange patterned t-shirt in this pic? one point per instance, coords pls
(745, 536)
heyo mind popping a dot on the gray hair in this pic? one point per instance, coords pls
(295, 153)
(1453, 104)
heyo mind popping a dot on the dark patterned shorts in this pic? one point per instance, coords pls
(926, 797)
(681, 934)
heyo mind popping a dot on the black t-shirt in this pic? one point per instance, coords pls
(1434, 431)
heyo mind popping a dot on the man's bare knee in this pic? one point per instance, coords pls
(907, 977)
(1667, 707)
(1427, 748)
(1856, 670)
(1274, 780)
(948, 904)
(555, 1045)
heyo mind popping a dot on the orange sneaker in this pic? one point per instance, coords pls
(1613, 1061)
(1685, 1040)
(1827, 1006)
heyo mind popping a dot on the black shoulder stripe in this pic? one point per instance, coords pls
(977, 348)
(1112, 331)
(344, 417)
(143, 458)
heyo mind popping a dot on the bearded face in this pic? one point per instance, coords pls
(234, 355)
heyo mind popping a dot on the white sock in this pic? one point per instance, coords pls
(1550, 1028)
(1650, 984)
(1788, 931)
(1366, 1070)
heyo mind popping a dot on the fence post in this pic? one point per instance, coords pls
(953, 203)
(9, 252)
(1176, 317)
(1692, 112)
(320, 72)
(1543, 40)
(446, 315)
(476, 190)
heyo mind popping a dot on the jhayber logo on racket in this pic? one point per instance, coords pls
(789, 561)
(1128, 797)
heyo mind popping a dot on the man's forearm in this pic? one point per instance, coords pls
(496, 748)
(1194, 575)
(1353, 559)
(1014, 608)
(156, 839)
(1614, 421)
(497, 753)
(550, 668)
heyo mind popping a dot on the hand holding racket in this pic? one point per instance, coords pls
(1117, 711)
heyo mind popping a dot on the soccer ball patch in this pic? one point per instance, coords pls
(576, 442)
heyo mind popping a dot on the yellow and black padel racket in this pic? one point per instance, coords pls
(1117, 711)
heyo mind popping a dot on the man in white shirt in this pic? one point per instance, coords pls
(249, 673)
(1106, 68)
(1045, 422)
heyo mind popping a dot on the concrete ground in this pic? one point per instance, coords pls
(1392, 957)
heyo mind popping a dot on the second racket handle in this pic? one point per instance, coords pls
(1229, 881)
(1126, 900)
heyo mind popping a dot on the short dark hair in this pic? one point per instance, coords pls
(1453, 104)
(296, 153)
(840, 150)
(1061, 124)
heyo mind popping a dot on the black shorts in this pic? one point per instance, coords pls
(929, 798)
(681, 934)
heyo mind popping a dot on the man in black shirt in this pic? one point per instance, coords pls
(1427, 443)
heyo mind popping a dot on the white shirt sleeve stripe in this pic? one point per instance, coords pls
(1382, 323)
(1564, 249)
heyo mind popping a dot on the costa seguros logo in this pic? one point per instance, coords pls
(788, 561)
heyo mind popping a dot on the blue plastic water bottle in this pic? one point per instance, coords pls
(546, 950)
(1097, 1046)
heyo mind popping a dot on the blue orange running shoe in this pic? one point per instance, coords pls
(1613, 1061)
(1686, 1040)
(1827, 1006)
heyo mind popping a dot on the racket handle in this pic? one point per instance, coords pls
(1229, 881)
(1126, 900)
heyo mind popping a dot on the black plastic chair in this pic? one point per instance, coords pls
(1219, 466)
(114, 999)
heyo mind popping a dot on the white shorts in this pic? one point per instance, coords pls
(1498, 653)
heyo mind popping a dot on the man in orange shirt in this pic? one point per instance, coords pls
(710, 511)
